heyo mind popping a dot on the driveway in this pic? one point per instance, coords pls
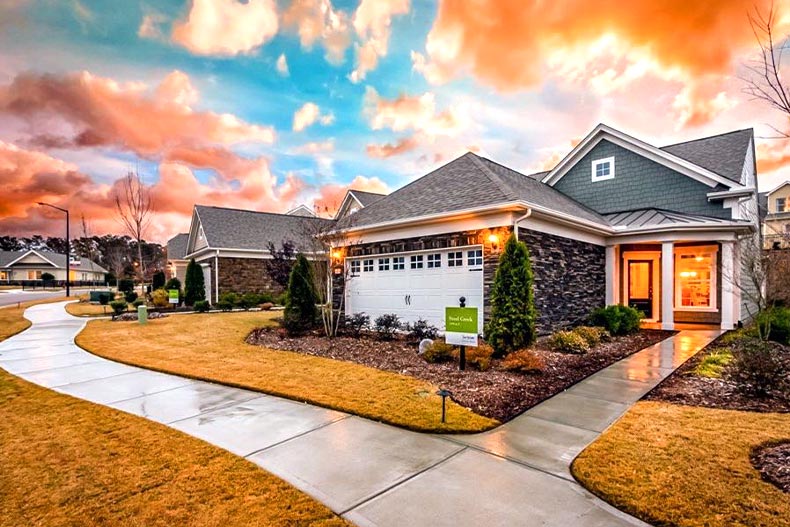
(371, 473)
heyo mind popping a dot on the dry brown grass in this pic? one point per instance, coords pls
(86, 309)
(211, 347)
(67, 462)
(685, 466)
(12, 320)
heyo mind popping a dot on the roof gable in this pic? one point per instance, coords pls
(779, 187)
(724, 154)
(177, 246)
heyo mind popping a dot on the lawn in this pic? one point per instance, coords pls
(685, 466)
(211, 347)
(12, 319)
(86, 309)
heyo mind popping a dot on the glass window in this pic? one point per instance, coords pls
(398, 263)
(695, 279)
(603, 169)
(384, 264)
(781, 204)
(474, 257)
(355, 264)
(416, 261)
(455, 259)
(34, 275)
(367, 265)
(434, 260)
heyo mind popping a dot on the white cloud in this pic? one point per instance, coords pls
(282, 65)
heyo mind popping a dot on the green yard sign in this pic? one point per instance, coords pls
(172, 295)
(460, 325)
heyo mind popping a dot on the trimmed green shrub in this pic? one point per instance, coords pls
(194, 286)
(104, 299)
(617, 319)
(173, 283)
(201, 306)
(130, 296)
(47, 277)
(158, 280)
(568, 342)
(138, 302)
(760, 367)
(439, 351)
(593, 335)
(301, 311)
(387, 325)
(280, 299)
(223, 305)
(249, 300)
(513, 315)
(125, 285)
(422, 330)
(231, 298)
(524, 361)
(775, 324)
(118, 306)
(357, 323)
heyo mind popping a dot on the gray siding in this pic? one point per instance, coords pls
(638, 183)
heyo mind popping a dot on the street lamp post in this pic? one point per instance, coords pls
(68, 246)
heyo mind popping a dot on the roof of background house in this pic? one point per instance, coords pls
(253, 230)
(467, 182)
(177, 246)
(651, 217)
(723, 154)
(59, 260)
(366, 198)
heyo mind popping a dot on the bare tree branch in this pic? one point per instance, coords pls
(134, 208)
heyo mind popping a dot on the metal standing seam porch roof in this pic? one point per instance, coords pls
(634, 219)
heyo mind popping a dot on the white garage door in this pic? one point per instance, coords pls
(417, 284)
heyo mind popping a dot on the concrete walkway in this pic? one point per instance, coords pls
(372, 474)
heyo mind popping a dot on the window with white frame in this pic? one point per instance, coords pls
(384, 264)
(355, 265)
(434, 261)
(474, 257)
(455, 259)
(367, 265)
(398, 263)
(603, 169)
(34, 275)
(781, 204)
(416, 261)
(695, 278)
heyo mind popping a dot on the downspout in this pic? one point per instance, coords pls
(515, 223)
(216, 276)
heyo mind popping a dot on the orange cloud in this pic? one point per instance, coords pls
(372, 21)
(412, 112)
(773, 155)
(317, 21)
(331, 196)
(308, 114)
(388, 149)
(226, 27)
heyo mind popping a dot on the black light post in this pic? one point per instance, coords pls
(444, 394)
(462, 354)
(68, 246)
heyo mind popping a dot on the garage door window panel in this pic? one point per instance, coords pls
(475, 258)
(398, 263)
(416, 261)
(384, 264)
(367, 266)
(434, 261)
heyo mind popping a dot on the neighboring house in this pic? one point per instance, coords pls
(232, 245)
(28, 267)
(355, 200)
(776, 224)
(176, 256)
(616, 221)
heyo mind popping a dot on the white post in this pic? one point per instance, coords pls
(611, 275)
(667, 285)
(727, 286)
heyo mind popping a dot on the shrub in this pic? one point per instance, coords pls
(130, 296)
(568, 342)
(774, 324)
(617, 319)
(104, 299)
(118, 306)
(438, 351)
(194, 286)
(357, 323)
(422, 330)
(733, 337)
(713, 364)
(759, 367)
(160, 298)
(158, 280)
(479, 357)
(301, 311)
(513, 314)
(138, 302)
(201, 306)
(524, 361)
(223, 305)
(593, 335)
(248, 300)
(387, 325)
(47, 277)
(125, 285)
(266, 306)
(231, 298)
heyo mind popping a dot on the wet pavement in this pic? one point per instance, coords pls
(372, 474)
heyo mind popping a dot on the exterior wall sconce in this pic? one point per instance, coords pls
(336, 254)
(493, 239)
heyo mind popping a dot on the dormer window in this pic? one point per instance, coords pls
(603, 169)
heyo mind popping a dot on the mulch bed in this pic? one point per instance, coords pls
(684, 387)
(773, 462)
(494, 393)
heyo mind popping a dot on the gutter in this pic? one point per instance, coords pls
(733, 193)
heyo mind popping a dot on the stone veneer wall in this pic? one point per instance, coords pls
(245, 275)
(570, 278)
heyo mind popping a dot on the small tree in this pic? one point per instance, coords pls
(158, 280)
(47, 277)
(300, 304)
(513, 315)
(279, 267)
(194, 286)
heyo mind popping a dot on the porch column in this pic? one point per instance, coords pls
(727, 287)
(667, 285)
(611, 275)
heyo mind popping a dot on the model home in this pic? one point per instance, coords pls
(28, 268)
(618, 220)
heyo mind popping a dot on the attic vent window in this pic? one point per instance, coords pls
(603, 169)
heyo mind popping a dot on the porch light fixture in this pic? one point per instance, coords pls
(336, 254)
(493, 239)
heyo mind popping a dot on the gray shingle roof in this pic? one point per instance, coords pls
(659, 217)
(469, 181)
(6, 257)
(366, 198)
(252, 230)
(723, 154)
(177, 246)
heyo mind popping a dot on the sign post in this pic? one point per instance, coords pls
(461, 328)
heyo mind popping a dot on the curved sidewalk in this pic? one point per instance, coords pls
(372, 474)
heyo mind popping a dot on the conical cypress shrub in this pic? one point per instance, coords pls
(301, 311)
(194, 286)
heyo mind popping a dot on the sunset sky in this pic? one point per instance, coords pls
(266, 105)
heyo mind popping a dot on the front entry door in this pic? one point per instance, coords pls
(640, 286)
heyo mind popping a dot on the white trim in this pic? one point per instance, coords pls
(596, 163)
(668, 285)
(302, 206)
(40, 256)
(736, 193)
(611, 275)
(713, 307)
(646, 150)
(728, 298)
(779, 186)
(643, 255)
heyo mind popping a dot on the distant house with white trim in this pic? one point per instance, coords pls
(776, 224)
(28, 267)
